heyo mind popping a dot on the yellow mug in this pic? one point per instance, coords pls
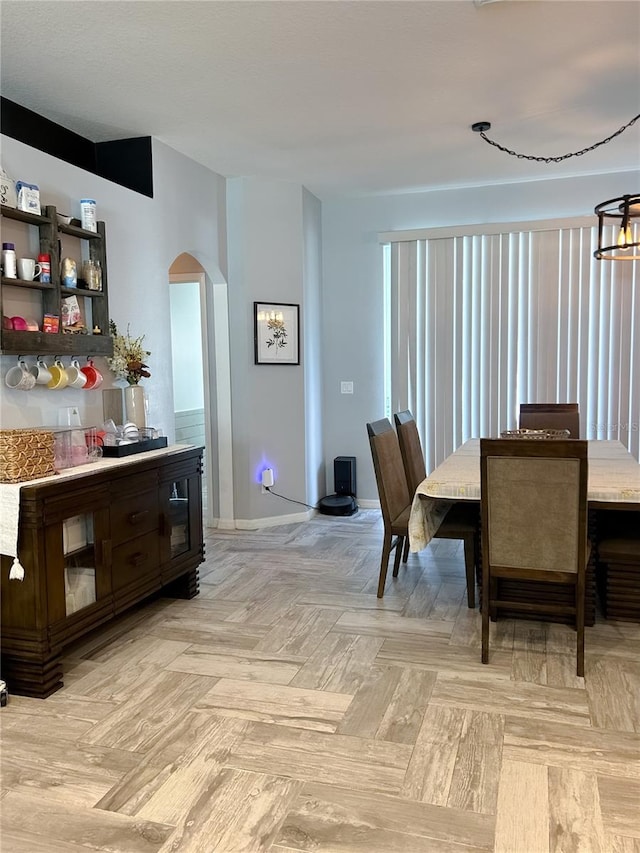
(59, 376)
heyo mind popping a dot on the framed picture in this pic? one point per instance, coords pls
(276, 333)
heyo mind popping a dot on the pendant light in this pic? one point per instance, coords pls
(621, 212)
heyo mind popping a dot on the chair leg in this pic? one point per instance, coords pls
(405, 553)
(396, 562)
(386, 551)
(470, 567)
(493, 592)
(580, 628)
(486, 583)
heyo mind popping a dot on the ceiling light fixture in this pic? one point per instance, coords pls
(622, 211)
(482, 127)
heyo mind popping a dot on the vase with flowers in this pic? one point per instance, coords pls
(129, 362)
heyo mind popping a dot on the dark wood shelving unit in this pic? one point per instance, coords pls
(15, 342)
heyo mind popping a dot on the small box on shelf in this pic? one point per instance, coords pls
(50, 324)
(28, 197)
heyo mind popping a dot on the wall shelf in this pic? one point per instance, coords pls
(95, 302)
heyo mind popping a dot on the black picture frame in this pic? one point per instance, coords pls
(276, 333)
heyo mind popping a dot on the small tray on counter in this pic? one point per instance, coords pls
(135, 447)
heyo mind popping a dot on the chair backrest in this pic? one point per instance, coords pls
(411, 449)
(534, 505)
(550, 416)
(387, 463)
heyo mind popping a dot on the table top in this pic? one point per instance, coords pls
(614, 474)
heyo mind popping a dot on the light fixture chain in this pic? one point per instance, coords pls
(563, 156)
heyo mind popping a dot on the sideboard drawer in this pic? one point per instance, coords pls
(134, 560)
(133, 516)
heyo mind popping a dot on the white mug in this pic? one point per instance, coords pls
(41, 372)
(19, 378)
(77, 379)
(28, 269)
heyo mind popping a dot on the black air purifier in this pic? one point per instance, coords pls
(344, 483)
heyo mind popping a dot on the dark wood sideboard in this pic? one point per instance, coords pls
(93, 546)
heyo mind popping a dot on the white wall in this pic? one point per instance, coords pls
(352, 284)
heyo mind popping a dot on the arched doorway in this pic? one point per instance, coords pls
(202, 378)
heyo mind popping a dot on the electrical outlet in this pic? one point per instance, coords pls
(267, 480)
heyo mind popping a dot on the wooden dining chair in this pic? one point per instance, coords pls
(395, 500)
(550, 416)
(534, 526)
(461, 522)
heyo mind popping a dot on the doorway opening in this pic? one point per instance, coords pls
(201, 361)
(189, 365)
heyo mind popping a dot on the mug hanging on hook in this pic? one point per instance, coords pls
(19, 377)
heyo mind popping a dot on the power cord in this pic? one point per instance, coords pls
(284, 498)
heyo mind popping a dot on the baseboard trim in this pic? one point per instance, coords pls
(367, 504)
(223, 524)
(258, 523)
(275, 520)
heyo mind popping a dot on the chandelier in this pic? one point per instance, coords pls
(617, 211)
(621, 212)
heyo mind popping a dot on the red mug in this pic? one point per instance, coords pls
(94, 377)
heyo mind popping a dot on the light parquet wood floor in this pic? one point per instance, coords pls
(287, 709)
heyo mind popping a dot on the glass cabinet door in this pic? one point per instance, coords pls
(182, 546)
(80, 562)
(178, 516)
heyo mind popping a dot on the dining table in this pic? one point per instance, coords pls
(613, 483)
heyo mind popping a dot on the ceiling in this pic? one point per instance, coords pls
(346, 98)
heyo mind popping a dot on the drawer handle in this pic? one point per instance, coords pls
(138, 559)
(138, 517)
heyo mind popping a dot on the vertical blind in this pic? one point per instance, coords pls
(483, 322)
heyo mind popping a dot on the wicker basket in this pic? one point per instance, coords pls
(25, 454)
(535, 433)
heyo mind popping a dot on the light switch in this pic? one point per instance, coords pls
(346, 387)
